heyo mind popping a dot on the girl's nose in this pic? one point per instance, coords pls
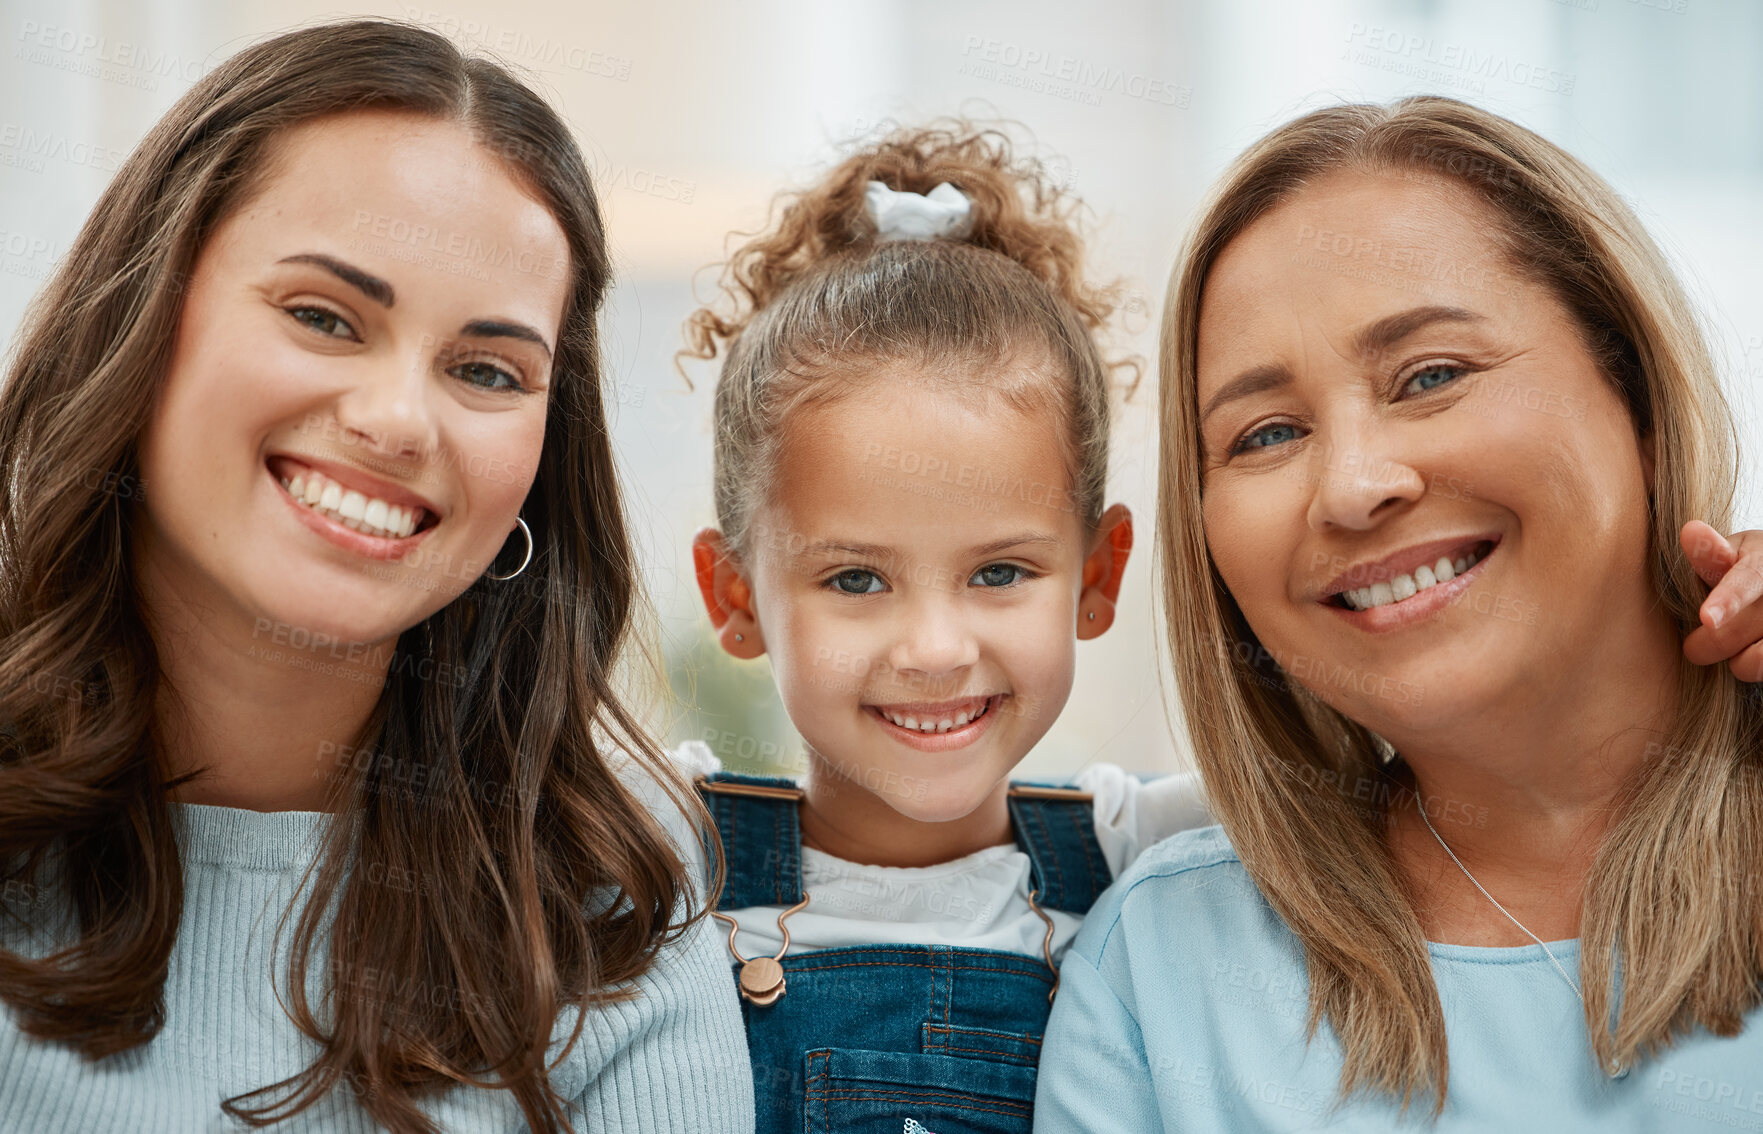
(933, 638)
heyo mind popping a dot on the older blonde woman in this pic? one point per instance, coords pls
(1446, 415)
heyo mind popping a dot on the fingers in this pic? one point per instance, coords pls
(1706, 645)
(1740, 586)
(1748, 666)
(1732, 615)
(1709, 552)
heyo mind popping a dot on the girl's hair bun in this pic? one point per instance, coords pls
(1019, 210)
(821, 292)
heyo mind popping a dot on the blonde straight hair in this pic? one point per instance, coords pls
(1672, 901)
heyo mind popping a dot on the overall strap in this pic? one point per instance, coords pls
(1056, 827)
(761, 839)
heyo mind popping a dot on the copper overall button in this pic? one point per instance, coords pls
(762, 980)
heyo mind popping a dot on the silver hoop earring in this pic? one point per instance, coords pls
(528, 532)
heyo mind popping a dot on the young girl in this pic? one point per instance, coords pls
(911, 445)
(307, 812)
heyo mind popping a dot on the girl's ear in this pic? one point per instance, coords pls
(1102, 572)
(728, 598)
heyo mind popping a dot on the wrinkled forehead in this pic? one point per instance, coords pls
(1342, 251)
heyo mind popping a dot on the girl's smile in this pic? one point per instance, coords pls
(951, 599)
(939, 726)
(910, 467)
(918, 626)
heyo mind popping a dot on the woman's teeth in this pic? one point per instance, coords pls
(1407, 586)
(935, 724)
(368, 515)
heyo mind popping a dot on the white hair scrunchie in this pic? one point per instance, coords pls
(943, 213)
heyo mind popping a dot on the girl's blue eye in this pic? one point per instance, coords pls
(998, 575)
(486, 377)
(322, 320)
(1267, 436)
(1432, 377)
(856, 582)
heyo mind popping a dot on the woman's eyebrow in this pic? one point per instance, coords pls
(1375, 338)
(1251, 381)
(366, 283)
(1368, 342)
(500, 329)
(381, 293)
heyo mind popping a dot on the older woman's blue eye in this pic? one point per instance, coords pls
(1268, 435)
(998, 575)
(1432, 377)
(855, 582)
(485, 376)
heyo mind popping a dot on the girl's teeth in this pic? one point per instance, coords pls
(354, 510)
(930, 724)
(1407, 586)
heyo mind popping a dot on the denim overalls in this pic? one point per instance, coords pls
(865, 1038)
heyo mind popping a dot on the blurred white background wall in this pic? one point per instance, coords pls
(694, 112)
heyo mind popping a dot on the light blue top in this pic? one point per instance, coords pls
(1182, 1006)
(674, 1059)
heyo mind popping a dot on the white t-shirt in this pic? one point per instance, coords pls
(978, 901)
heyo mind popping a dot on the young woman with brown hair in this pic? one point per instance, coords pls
(266, 664)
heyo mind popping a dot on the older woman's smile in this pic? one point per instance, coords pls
(1410, 585)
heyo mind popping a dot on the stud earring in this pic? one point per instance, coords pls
(740, 637)
(1092, 616)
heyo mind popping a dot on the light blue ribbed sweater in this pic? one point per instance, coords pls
(674, 1059)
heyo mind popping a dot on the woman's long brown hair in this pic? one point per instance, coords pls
(547, 883)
